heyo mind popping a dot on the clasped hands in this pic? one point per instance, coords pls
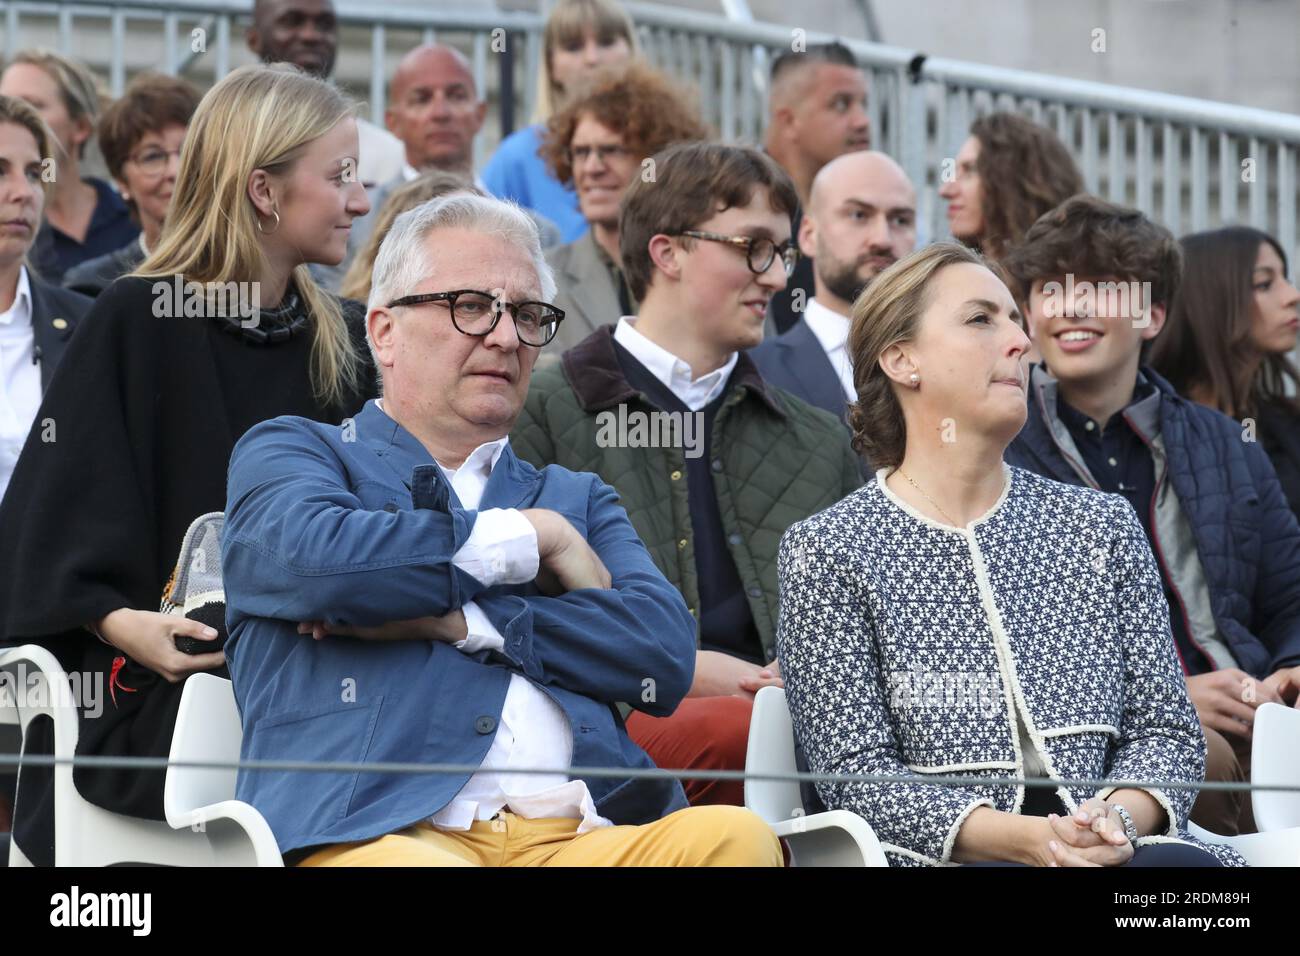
(1092, 836)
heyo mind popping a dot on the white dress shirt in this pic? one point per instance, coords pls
(410, 174)
(672, 371)
(382, 154)
(832, 331)
(533, 730)
(20, 378)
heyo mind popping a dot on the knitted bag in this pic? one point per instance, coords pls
(195, 589)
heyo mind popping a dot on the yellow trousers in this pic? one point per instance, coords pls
(696, 836)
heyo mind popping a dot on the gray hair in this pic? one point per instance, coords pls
(401, 264)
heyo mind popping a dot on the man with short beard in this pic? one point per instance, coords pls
(861, 218)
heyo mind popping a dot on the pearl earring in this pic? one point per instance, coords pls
(916, 380)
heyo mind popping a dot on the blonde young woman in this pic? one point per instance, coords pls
(130, 449)
(84, 217)
(960, 616)
(580, 37)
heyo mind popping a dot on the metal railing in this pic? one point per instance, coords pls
(1191, 164)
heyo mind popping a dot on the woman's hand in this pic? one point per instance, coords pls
(449, 628)
(149, 639)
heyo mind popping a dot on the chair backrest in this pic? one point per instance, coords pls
(35, 685)
(771, 750)
(1275, 759)
(207, 728)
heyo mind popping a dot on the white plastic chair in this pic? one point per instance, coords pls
(1276, 848)
(88, 835)
(831, 838)
(203, 800)
(1275, 759)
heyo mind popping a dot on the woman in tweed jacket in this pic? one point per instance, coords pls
(959, 616)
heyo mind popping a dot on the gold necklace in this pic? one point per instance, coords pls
(928, 498)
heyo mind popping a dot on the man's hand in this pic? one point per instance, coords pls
(721, 675)
(566, 561)
(449, 628)
(1226, 699)
(1285, 683)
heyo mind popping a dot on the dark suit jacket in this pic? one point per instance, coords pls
(796, 362)
(56, 313)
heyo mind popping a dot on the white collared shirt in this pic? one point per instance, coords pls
(672, 371)
(832, 331)
(533, 730)
(20, 378)
(410, 173)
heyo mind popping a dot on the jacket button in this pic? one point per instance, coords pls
(485, 724)
(676, 475)
(734, 538)
(716, 464)
(755, 592)
(681, 543)
(59, 324)
(391, 507)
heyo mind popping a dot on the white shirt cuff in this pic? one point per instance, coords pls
(502, 548)
(481, 633)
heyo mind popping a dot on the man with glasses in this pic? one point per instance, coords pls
(403, 588)
(711, 462)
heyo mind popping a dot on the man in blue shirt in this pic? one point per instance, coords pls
(403, 588)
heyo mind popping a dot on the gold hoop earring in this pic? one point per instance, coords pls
(276, 214)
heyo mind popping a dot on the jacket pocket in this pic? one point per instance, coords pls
(338, 733)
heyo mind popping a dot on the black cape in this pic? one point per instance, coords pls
(130, 445)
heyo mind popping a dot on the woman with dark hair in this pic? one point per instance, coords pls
(1226, 341)
(961, 616)
(140, 136)
(220, 328)
(1009, 172)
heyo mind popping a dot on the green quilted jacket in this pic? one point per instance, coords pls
(775, 460)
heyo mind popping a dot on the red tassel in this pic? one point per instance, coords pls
(114, 683)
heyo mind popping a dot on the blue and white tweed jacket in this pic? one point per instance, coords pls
(908, 647)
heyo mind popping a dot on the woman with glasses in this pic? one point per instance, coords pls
(220, 328)
(84, 216)
(140, 136)
(580, 36)
(598, 144)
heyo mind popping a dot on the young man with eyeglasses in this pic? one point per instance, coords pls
(402, 588)
(711, 462)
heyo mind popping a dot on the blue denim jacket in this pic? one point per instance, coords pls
(356, 524)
